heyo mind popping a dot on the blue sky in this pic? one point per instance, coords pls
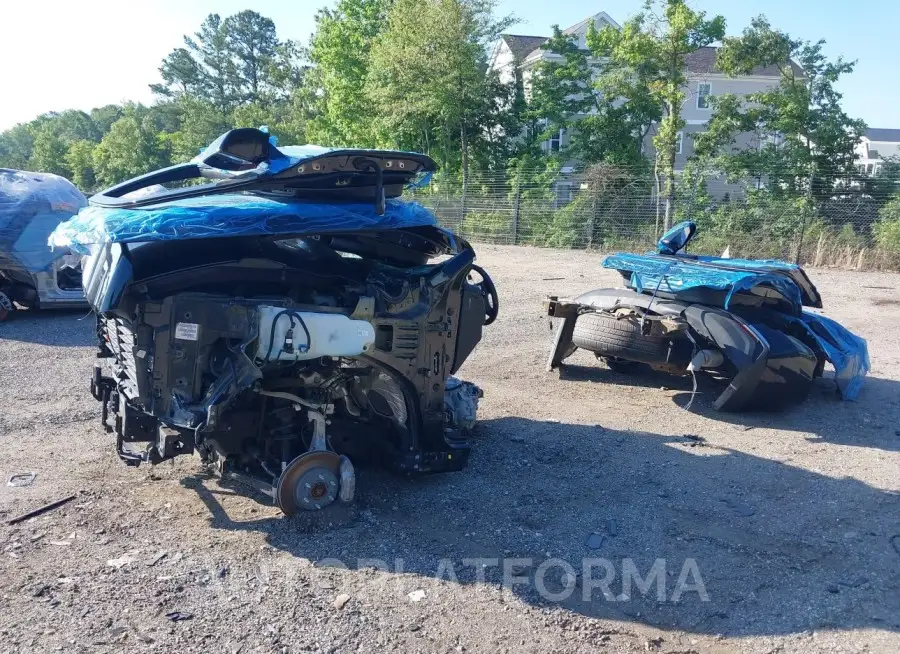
(61, 54)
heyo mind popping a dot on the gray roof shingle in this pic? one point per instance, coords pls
(521, 45)
(703, 61)
(882, 134)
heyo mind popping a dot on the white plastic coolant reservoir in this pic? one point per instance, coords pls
(330, 334)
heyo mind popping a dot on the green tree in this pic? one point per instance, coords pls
(887, 229)
(16, 146)
(79, 160)
(231, 61)
(796, 135)
(654, 44)
(607, 109)
(253, 44)
(340, 51)
(132, 147)
(103, 117)
(49, 150)
(428, 78)
(204, 68)
(201, 122)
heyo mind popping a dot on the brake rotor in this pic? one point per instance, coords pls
(309, 483)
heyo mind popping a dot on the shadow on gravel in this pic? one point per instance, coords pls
(779, 549)
(59, 328)
(873, 420)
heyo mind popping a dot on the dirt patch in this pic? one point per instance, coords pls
(791, 519)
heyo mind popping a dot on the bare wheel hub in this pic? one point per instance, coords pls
(310, 482)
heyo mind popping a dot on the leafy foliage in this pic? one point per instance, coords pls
(795, 134)
(652, 48)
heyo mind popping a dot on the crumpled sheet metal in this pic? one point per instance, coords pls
(32, 205)
(216, 216)
(674, 276)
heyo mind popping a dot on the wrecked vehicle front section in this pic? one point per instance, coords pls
(310, 320)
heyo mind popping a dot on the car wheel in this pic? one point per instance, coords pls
(618, 339)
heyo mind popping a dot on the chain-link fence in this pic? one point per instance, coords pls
(851, 225)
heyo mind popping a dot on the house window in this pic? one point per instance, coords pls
(679, 142)
(704, 90)
(555, 142)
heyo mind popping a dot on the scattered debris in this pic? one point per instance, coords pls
(595, 541)
(341, 600)
(179, 616)
(21, 479)
(40, 510)
(156, 559)
(122, 561)
(693, 440)
(417, 595)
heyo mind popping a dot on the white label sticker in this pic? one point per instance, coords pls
(187, 331)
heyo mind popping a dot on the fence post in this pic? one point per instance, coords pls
(462, 203)
(515, 216)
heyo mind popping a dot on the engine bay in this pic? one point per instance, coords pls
(281, 361)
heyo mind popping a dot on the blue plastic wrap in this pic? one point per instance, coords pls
(677, 274)
(32, 205)
(216, 216)
(847, 352)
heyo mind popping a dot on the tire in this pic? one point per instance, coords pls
(622, 339)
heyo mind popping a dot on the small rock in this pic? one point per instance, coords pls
(179, 616)
(594, 541)
(611, 527)
(61, 543)
(832, 588)
(156, 559)
(341, 600)
(856, 582)
(417, 595)
(517, 439)
(122, 561)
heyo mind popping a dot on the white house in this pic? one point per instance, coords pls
(704, 80)
(875, 146)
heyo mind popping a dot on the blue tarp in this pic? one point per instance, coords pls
(215, 216)
(847, 352)
(675, 274)
(31, 207)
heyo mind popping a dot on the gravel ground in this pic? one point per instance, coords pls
(791, 522)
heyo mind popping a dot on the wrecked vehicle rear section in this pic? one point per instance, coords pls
(740, 320)
(285, 322)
